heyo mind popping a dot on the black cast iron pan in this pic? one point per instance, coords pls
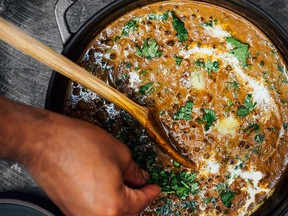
(76, 43)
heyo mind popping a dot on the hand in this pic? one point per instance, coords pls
(82, 168)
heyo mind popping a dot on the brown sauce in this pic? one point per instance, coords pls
(221, 88)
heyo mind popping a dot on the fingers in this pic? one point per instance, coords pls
(139, 199)
(134, 176)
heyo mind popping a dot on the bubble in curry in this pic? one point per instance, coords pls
(221, 88)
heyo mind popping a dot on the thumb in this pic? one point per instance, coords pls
(134, 176)
(139, 199)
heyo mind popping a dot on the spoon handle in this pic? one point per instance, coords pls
(66, 67)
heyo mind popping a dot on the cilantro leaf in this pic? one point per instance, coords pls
(189, 205)
(150, 49)
(207, 200)
(247, 108)
(285, 125)
(184, 113)
(210, 23)
(212, 66)
(130, 25)
(178, 60)
(157, 17)
(195, 188)
(259, 138)
(179, 26)
(165, 15)
(209, 118)
(199, 63)
(182, 184)
(240, 50)
(226, 197)
(152, 16)
(221, 187)
(144, 88)
(233, 85)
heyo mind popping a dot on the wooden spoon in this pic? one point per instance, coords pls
(148, 117)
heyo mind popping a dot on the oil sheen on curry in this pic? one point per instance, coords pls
(221, 90)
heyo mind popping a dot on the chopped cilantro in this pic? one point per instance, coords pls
(189, 205)
(281, 68)
(179, 26)
(285, 102)
(221, 187)
(254, 126)
(209, 65)
(249, 106)
(182, 183)
(144, 88)
(239, 166)
(152, 16)
(184, 113)
(199, 63)
(226, 197)
(157, 17)
(262, 63)
(207, 200)
(128, 65)
(259, 138)
(164, 210)
(195, 188)
(130, 25)
(233, 85)
(143, 72)
(209, 118)
(165, 15)
(210, 23)
(212, 66)
(254, 151)
(176, 164)
(240, 50)
(116, 38)
(137, 68)
(150, 49)
(178, 60)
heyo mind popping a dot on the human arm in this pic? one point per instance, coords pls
(82, 168)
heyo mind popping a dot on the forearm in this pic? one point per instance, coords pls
(20, 131)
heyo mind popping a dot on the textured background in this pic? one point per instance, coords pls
(25, 80)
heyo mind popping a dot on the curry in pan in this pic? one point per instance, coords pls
(221, 90)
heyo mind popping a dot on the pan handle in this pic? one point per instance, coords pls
(60, 10)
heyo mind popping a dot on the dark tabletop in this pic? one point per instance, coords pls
(25, 80)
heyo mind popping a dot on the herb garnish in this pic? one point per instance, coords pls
(150, 49)
(209, 118)
(144, 88)
(199, 63)
(259, 138)
(209, 65)
(178, 60)
(210, 23)
(130, 25)
(179, 26)
(212, 66)
(184, 113)
(247, 108)
(233, 85)
(240, 50)
(226, 197)
(154, 16)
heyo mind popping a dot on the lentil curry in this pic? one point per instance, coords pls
(221, 88)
